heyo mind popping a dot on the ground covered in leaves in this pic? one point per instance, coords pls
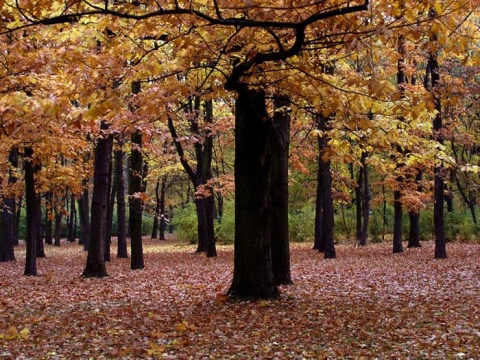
(368, 304)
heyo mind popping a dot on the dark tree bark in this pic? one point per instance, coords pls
(252, 274)
(438, 170)
(84, 214)
(279, 145)
(7, 240)
(72, 220)
(414, 217)
(135, 201)
(397, 222)
(8, 231)
(17, 220)
(58, 220)
(397, 195)
(121, 217)
(95, 266)
(111, 204)
(156, 218)
(207, 155)
(31, 204)
(362, 201)
(196, 177)
(163, 221)
(48, 218)
(318, 245)
(40, 252)
(327, 241)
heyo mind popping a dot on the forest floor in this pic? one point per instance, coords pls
(368, 303)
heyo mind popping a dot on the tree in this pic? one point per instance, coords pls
(95, 266)
(31, 200)
(279, 142)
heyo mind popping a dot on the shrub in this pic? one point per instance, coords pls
(185, 223)
(225, 227)
(302, 224)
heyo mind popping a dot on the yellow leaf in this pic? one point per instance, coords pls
(24, 334)
(181, 326)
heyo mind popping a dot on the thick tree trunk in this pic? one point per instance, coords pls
(95, 266)
(31, 204)
(252, 274)
(278, 191)
(7, 240)
(119, 179)
(136, 202)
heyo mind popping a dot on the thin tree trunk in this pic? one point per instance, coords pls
(252, 274)
(40, 253)
(327, 240)
(121, 217)
(95, 266)
(135, 201)
(163, 222)
(438, 170)
(397, 222)
(58, 223)
(156, 218)
(31, 204)
(366, 201)
(72, 217)
(84, 209)
(414, 217)
(48, 218)
(278, 191)
(110, 206)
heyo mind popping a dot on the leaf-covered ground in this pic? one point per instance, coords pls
(367, 304)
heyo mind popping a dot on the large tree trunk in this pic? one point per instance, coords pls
(95, 266)
(278, 191)
(7, 240)
(31, 204)
(252, 274)
(119, 179)
(135, 201)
